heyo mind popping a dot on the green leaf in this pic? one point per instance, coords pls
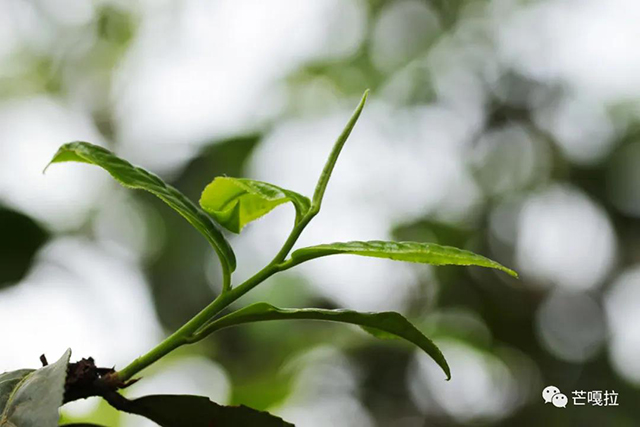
(9, 381)
(131, 176)
(388, 323)
(32, 398)
(196, 411)
(424, 253)
(378, 333)
(323, 181)
(235, 202)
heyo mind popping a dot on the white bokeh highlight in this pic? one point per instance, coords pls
(622, 300)
(589, 45)
(32, 130)
(565, 239)
(82, 297)
(325, 392)
(204, 70)
(571, 326)
(482, 389)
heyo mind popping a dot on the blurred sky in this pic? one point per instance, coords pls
(513, 123)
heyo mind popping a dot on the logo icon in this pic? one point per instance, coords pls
(552, 394)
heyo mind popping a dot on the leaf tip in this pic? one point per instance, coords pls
(365, 95)
(44, 171)
(53, 160)
(511, 272)
(445, 368)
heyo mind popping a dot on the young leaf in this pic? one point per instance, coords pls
(235, 202)
(424, 253)
(196, 411)
(137, 178)
(323, 181)
(388, 323)
(32, 398)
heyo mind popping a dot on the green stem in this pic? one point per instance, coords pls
(192, 330)
(226, 278)
(188, 331)
(183, 335)
(175, 340)
(293, 237)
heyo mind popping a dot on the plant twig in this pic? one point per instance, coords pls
(192, 330)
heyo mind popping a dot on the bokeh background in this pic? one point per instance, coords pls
(507, 127)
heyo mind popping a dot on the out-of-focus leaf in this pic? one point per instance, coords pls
(235, 202)
(9, 381)
(115, 25)
(20, 241)
(388, 323)
(424, 253)
(32, 398)
(137, 178)
(197, 411)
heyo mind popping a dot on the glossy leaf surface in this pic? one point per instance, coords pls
(424, 253)
(235, 202)
(134, 177)
(389, 323)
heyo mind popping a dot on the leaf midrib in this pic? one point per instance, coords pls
(12, 395)
(251, 190)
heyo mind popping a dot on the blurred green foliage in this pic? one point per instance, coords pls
(257, 357)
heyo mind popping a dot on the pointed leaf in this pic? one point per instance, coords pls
(235, 202)
(388, 323)
(196, 411)
(424, 253)
(323, 181)
(32, 398)
(131, 176)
